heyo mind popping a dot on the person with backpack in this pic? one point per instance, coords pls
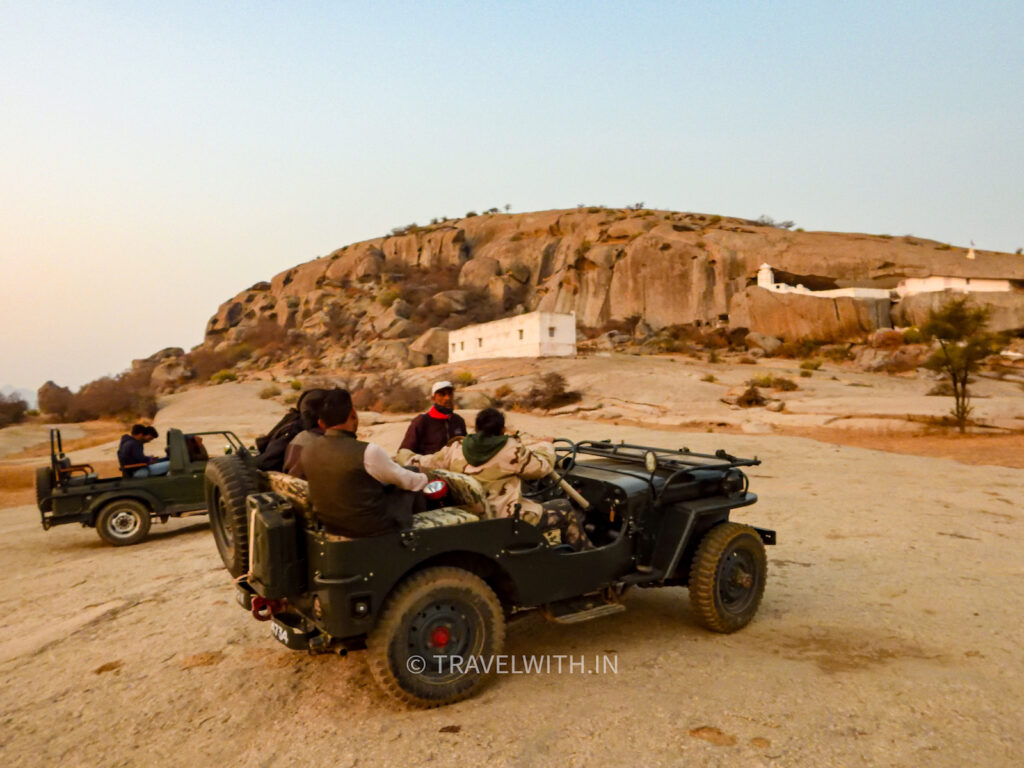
(309, 414)
(273, 446)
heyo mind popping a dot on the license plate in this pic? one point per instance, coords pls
(279, 632)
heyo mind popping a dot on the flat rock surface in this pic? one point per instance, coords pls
(889, 634)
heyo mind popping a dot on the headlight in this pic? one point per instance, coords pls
(734, 482)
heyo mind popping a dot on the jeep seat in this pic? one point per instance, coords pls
(72, 474)
(296, 491)
(466, 492)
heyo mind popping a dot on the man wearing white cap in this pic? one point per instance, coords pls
(431, 431)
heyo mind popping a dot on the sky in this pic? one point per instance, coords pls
(158, 158)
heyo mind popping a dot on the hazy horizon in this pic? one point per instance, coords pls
(157, 160)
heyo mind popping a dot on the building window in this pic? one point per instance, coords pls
(462, 345)
(453, 346)
(479, 342)
(551, 331)
(520, 334)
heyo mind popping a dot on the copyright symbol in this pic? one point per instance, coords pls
(416, 664)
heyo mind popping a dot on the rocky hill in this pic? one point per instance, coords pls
(388, 302)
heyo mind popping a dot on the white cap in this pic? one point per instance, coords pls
(439, 385)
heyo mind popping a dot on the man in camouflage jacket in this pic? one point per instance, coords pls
(501, 462)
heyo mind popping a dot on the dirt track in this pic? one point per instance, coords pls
(890, 634)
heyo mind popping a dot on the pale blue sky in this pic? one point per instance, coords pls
(156, 158)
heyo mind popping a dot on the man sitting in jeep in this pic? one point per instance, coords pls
(500, 462)
(133, 459)
(356, 490)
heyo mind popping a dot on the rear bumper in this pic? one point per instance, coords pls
(288, 628)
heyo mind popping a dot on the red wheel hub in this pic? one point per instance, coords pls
(439, 637)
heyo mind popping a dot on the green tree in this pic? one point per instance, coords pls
(963, 343)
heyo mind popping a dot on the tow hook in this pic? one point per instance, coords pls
(264, 609)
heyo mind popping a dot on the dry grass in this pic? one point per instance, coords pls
(96, 433)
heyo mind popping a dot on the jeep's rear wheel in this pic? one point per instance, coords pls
(123, 522)
(228, 481)
(437, 638)
(727, 577)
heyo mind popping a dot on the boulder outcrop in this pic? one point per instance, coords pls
(605, 265)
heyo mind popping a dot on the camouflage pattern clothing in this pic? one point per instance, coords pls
(501, 477)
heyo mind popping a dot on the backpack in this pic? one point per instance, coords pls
(273, 444)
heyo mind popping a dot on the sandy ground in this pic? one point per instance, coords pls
(890, 634)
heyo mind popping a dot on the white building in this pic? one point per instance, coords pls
(537, 334)
(914, 285)
(766, 280)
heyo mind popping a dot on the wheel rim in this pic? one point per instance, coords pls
(442, 629)
(737, 580)
(124, 523)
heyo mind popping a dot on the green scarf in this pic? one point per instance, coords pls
(479, 449)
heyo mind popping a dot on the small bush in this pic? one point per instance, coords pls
(223, 375)
(12, 409)
(797, 349)
(709, 378)
(713, 356)
(269, 391)
(296, 385)
(943, 247)
(810, 365)
(805, 374)
(750, 398)
(838, 353)
(774, 382)
(291, 397)
(464, 378)
(549, 391)
(747, 360)
(913, 336)
(389, 394)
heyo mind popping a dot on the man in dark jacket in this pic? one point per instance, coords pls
(133, 459)
(309, 413)
(431, 431)
(347, 477)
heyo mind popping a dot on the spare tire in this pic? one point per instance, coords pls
(44, 487)
(229, 480)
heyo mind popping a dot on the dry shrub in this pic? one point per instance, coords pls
(389, 394)
(127, 396)
(269, 391)
(206, 362)
(464, 378)
(55, 400)
(266, 336)
(797, 349)
(549, 391)
(773, 382)
(12, 409)
(752, 397)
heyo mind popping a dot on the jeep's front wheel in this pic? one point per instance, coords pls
(228, 481)
(727, 577)
(123, 522)
(438, 637)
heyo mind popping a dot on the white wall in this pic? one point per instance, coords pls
(537, 334)
(914, 285)
(766, 280)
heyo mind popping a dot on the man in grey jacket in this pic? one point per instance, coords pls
(355, 488)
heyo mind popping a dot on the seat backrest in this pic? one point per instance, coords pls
(296, 490)
(466, 492)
